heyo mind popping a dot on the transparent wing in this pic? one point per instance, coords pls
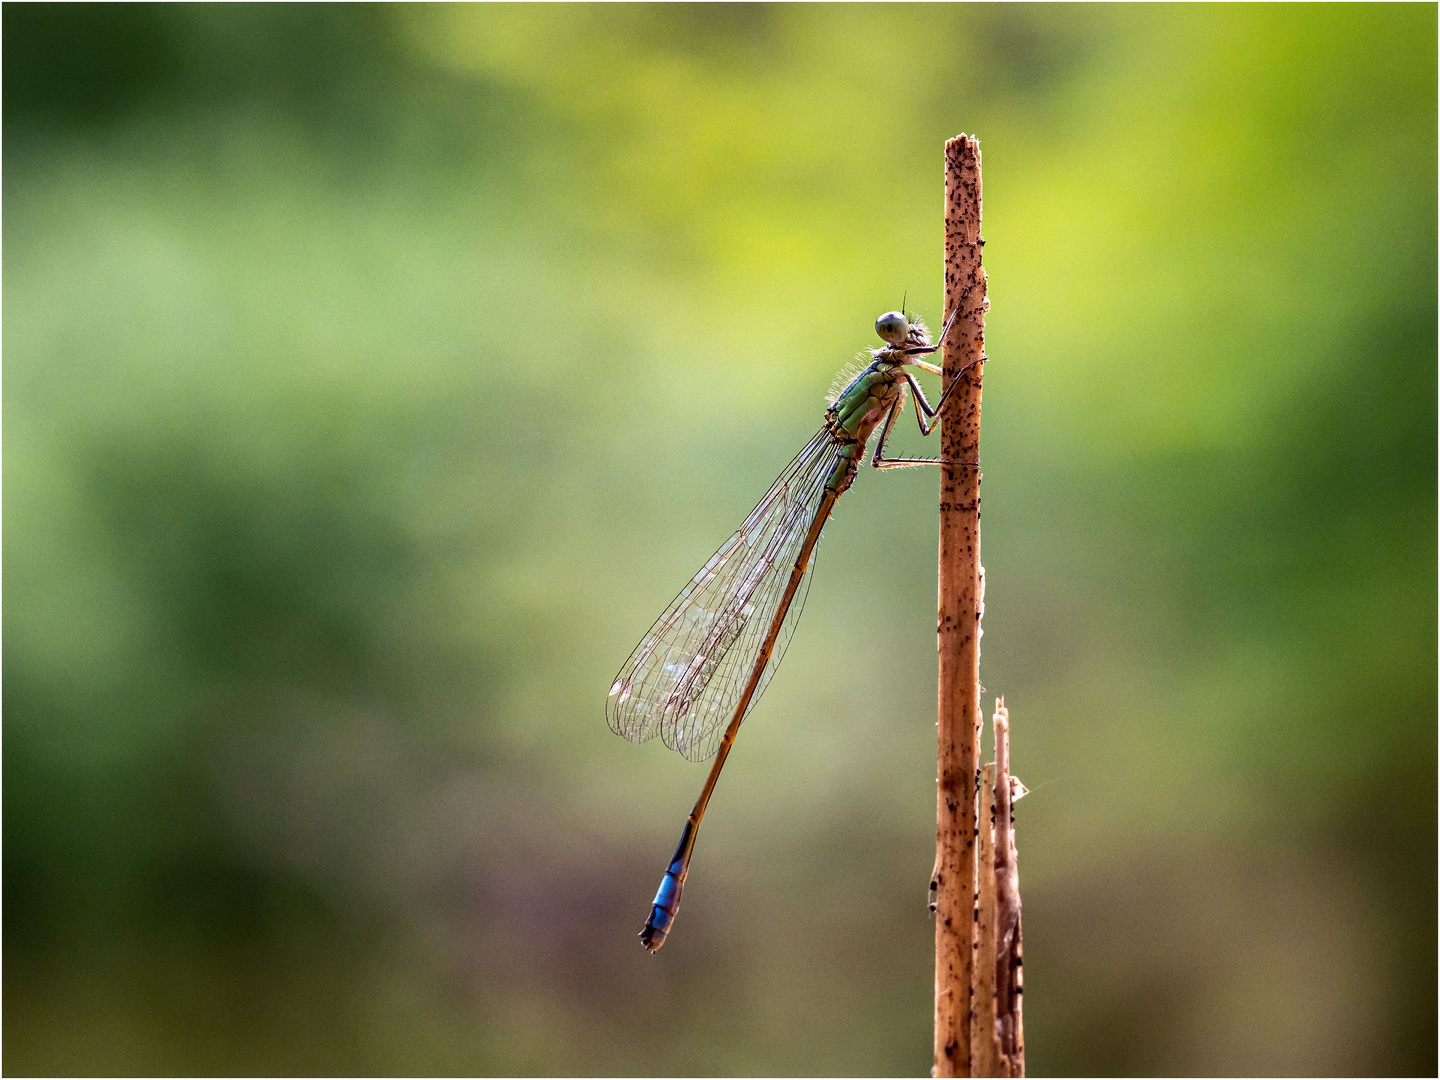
(685, 677)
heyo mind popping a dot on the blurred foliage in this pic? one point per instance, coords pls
(374, 375)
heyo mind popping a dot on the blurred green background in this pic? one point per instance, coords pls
(374, 376)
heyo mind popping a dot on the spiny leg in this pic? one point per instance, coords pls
(922, 409)
(923, 404)
(925, 350)
(880, 461)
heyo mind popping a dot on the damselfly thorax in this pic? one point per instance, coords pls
(866, 400)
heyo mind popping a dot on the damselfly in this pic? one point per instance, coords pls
(710, 656)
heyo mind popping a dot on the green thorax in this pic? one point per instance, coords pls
(864, 402)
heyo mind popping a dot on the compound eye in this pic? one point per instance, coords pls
(893, 327)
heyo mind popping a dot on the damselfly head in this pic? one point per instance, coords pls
(893, 327)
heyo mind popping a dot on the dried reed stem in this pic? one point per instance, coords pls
(998, 1035)
(986, 1059)
(960, 608)
(1008, 975)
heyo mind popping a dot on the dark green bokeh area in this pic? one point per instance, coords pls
(373, 377)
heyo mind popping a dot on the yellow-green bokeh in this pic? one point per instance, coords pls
(373, 376)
